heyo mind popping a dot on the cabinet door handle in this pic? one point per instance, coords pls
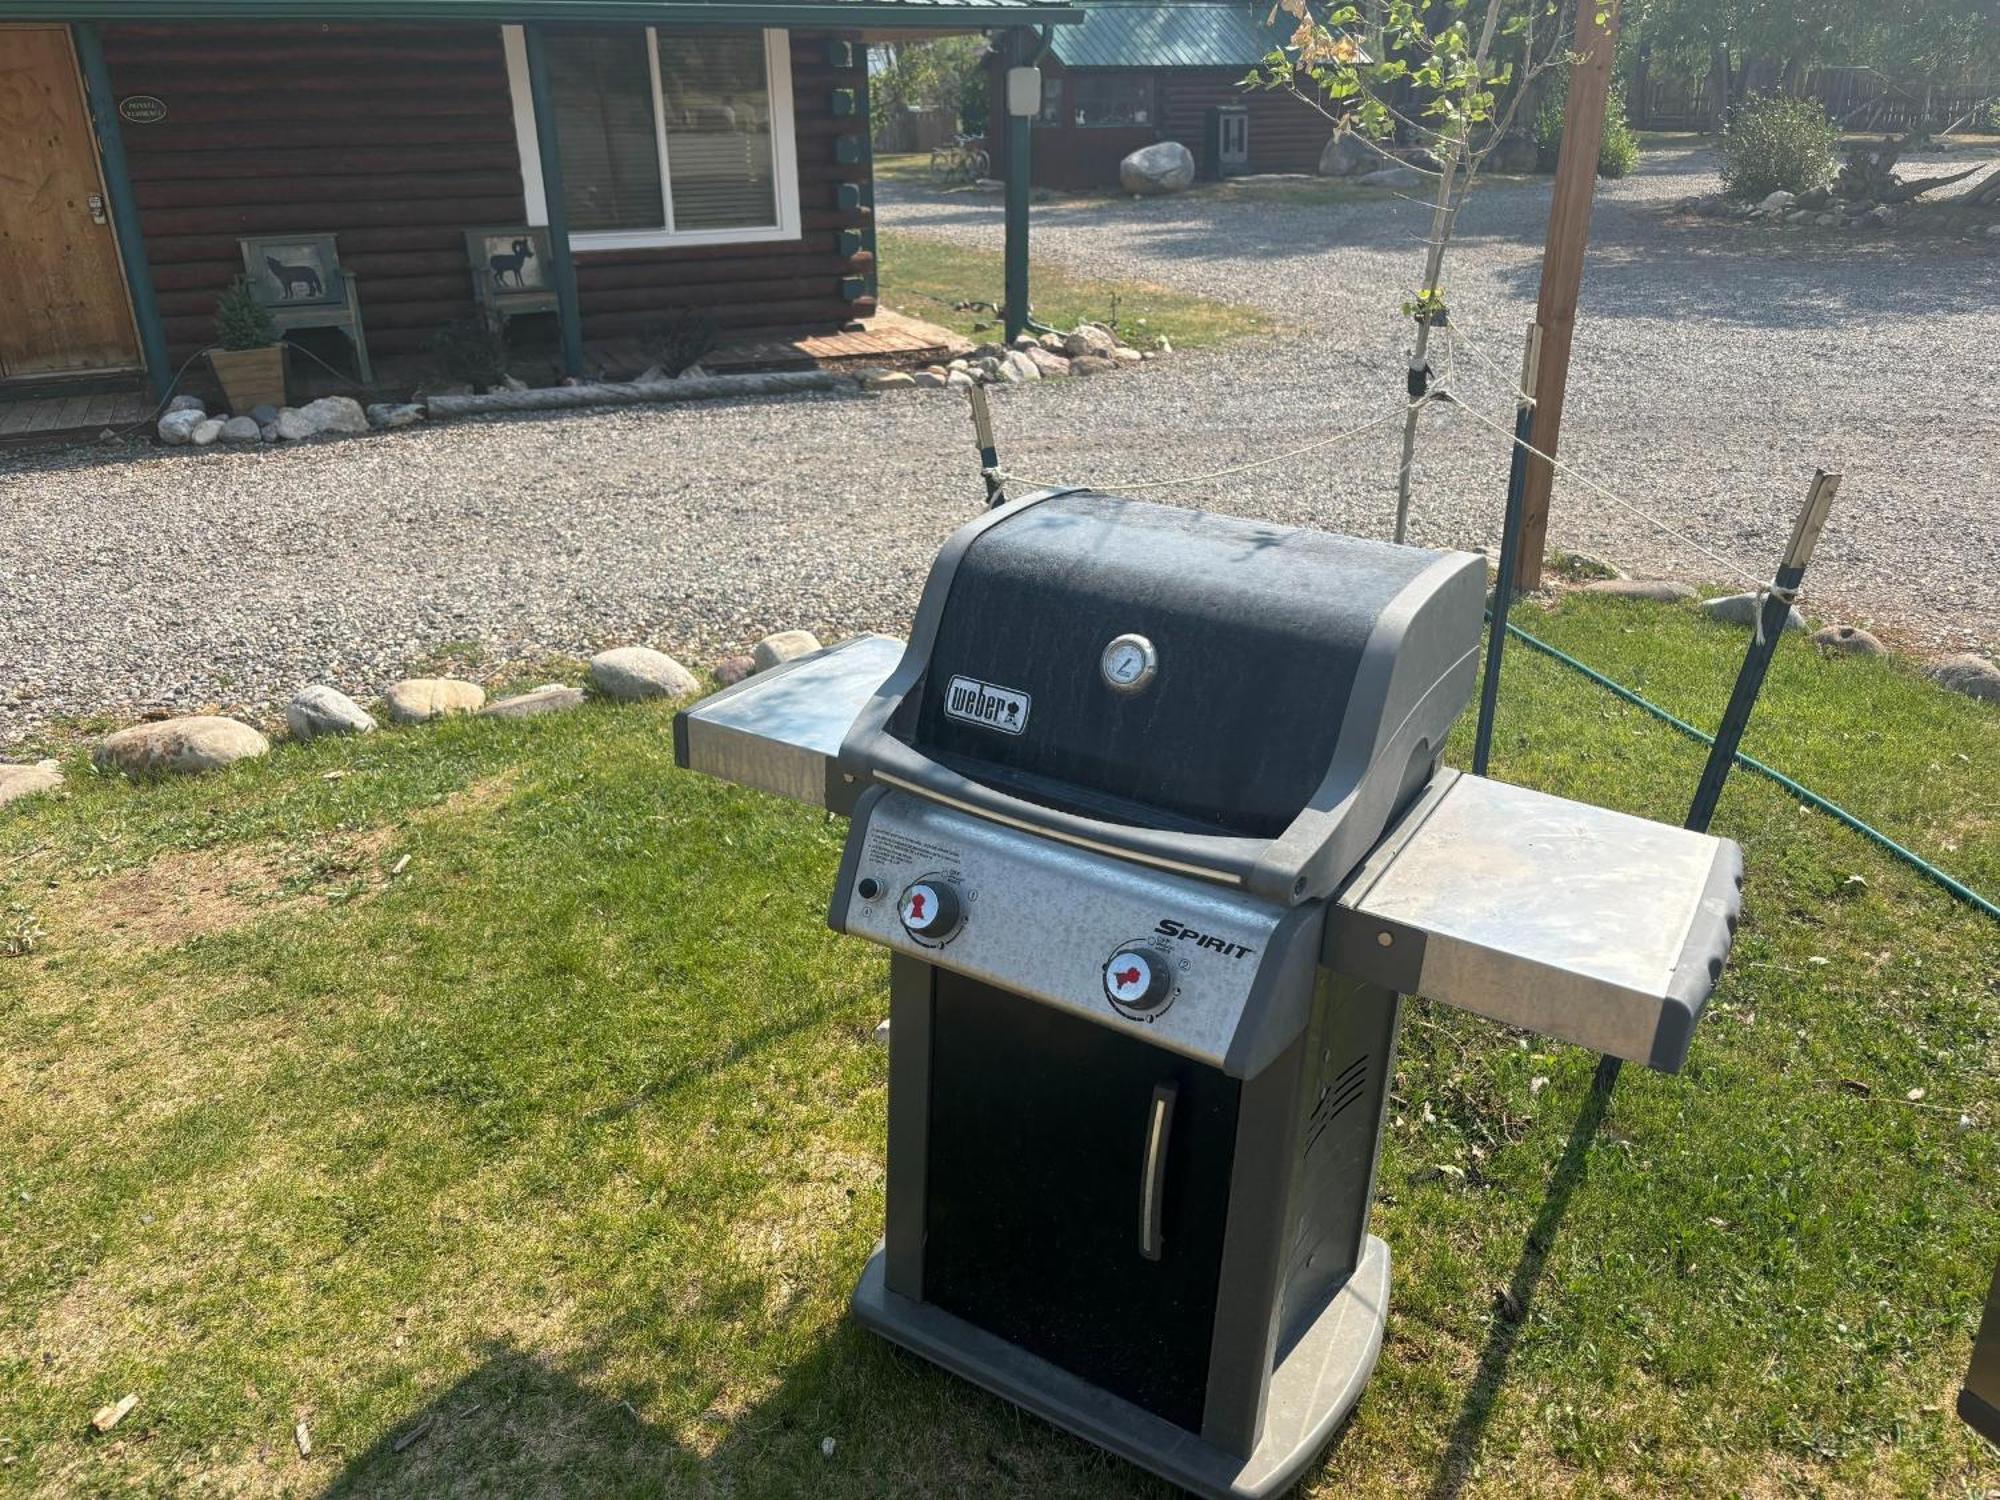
(1153, 1170)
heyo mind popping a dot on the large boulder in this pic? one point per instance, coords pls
(205, 433)
(28, 780)
(176, 428)
(1848, 640)
(1089, 339)
(630, 673)
(294, 425)
(335, 414)
(241, 430)
(1743, 609)
(1049, 364)
(1974, 676)
(1163, 167)
(186, 746)
(784, 646)
(1346, 155)
(321, 710)
(1655, 590)
(418, 700)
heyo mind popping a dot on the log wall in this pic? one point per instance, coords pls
(398, 139)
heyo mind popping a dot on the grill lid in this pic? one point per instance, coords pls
(1246, 700)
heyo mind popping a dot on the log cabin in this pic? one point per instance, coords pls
(666, 153)
(1131, 74)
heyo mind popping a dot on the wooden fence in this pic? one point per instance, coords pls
(1861, 98)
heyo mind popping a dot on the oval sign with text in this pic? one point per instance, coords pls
(142, 109)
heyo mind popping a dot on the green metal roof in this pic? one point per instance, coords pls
(960, 15)
(1172, 36)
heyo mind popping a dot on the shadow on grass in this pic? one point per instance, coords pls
(1457, 1466)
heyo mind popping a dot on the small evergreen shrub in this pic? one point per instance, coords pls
(679, 341)
(1618, 153)
(469, 352)
(241, 321)
(1774, 142)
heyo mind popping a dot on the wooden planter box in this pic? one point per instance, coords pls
(250, 377)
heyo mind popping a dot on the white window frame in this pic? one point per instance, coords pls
(784, 154)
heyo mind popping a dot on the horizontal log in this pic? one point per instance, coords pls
(175, 137)
(632, 393)
(455, 48)
(429, 190)
(194, 166)
(590, 262)
(182, 249)
(137, 37)
(412, 106)
(642, 300)
(225, 77)
(376, 292)
(707, 276)
(738, 322)
(320, 218)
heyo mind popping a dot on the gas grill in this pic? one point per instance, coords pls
(1150, 815)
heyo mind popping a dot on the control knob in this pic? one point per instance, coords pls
(1137, 979)
(931, 910)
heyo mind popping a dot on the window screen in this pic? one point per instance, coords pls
(718, 109)
(603, 93)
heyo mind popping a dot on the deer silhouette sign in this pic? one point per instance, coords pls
(287, 277)
(504, 265)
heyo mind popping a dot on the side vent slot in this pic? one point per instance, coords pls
(1344, 1089)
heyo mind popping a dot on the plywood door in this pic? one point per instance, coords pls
(63, 305)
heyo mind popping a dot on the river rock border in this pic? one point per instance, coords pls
(195, 744)
(1091, 349)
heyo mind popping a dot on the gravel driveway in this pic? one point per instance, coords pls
(1714, 369)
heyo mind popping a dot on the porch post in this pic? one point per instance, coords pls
(103, 105)
(1020, 120)
(561, 267)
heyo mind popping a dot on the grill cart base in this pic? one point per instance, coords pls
(1314, 1384)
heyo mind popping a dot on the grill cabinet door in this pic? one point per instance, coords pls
(1038, 1143)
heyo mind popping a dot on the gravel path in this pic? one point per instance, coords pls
(1714, 369)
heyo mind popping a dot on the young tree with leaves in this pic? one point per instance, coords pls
(1442, 76)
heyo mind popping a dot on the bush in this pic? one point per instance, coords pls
(677, 342)
(241, 321)
(1617, 154)
(1773, 142)
(469, 352)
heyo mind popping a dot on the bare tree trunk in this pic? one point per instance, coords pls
(1443, 214)
(1718, 86)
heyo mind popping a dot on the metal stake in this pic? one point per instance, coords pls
(989, 456)
(1776, 610)
(1510, 549)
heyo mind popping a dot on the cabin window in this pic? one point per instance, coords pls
(666, 137)
(1111, 99)
(1052, 100)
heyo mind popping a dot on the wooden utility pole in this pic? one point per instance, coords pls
(1562, 260)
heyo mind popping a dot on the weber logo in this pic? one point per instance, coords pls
(987, 705)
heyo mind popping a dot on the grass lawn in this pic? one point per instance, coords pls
(926, 276)
(492, 1100)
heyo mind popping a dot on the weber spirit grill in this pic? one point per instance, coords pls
(1150, 814)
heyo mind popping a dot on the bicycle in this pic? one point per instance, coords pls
(962, 160)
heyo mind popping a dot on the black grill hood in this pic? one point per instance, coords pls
(1303, 688)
